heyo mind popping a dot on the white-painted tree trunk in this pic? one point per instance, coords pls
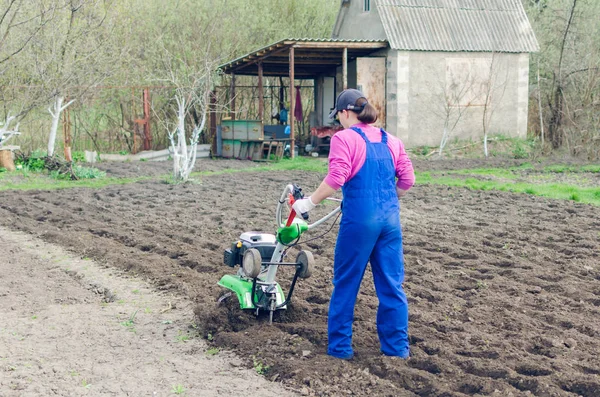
(56, 112)
(485, 145)
(5, 133)
(444, 140)
(184, 159)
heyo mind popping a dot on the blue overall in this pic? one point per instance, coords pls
(370, 231)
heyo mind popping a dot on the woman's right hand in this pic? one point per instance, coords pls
(400, 192)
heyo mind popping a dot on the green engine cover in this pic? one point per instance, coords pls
(287, 234)
(243, 289)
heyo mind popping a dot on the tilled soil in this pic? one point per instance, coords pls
(73, 328)
(504, 289)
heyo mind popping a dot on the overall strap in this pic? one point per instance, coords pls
(384, 137)
(361, 133)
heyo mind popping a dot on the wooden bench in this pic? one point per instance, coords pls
(272, 147)
(261, 150)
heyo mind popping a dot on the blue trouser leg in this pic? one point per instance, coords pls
(388, 273)
(351, 256)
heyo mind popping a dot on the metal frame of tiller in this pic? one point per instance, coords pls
(255, 284)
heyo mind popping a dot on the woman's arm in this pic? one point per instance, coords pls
(322, 192)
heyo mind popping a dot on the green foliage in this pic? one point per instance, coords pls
(2, 169)
(178, 389)
(130, 322)
(424, 150)
(37, 181)
(563, 191)
(519, 151)
(79, 172)
(560, 168)
(212, 351)
(88, 173)
(78, 157)
(260, 367)
(34, 162)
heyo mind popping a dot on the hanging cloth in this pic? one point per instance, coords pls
(298, 108)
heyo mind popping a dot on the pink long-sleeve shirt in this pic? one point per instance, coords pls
(348, 151)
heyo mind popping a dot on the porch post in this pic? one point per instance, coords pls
(261, 95)
(345, 68)
(292, 104)
(232, 98)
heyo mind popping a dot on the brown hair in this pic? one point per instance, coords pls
(369, 114)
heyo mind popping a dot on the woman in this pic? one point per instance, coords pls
(365, 162)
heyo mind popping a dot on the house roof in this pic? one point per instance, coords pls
(456, 25)
(312, 57)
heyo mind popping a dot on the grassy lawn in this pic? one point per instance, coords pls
(42, 181)
(561, 191)
(542, 181)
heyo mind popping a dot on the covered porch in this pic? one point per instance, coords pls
(323, 63)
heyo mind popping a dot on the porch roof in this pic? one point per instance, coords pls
(312, 57)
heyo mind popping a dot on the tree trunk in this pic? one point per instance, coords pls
(555, 132)
(55, 119)
(58, 108)
(444, 138)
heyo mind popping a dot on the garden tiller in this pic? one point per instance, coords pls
(260, 254)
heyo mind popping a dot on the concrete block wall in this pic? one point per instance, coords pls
(415, 85)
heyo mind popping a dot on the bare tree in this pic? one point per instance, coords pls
(556, 100)
(55, 112)
(186, 61)
(493, 90)
(20, 22)
(455, 91)
(70, 56)
(196, 96)
(5, 132)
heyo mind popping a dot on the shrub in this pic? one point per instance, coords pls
(519, 151)
(36, 161)
(78, 157)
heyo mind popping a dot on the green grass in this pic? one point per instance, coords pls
(296, 164)
(509, 176)
(513, 172)
(41, 181)
(590, 195)
(558, 168)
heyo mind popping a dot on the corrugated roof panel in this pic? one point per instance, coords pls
(457, 25)
(367, 44)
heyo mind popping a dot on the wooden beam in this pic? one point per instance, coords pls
(315, 55)
(212, 113)
(345, 68)
(292, 102)
(245, 63)
(232, 99)
(341, 44)
(261, 95)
